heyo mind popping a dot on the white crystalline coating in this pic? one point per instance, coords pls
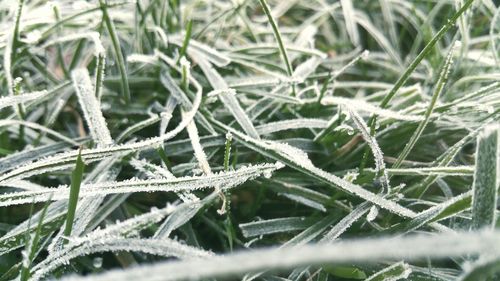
(475, 270)
(66, 159)
(345, 223)
(305, 39)
(372, 215)
(185, 67)
(463, 171)
(149, 59)
(123, 228)
(55, 112)
(117, 237)
(365, 54)
(8, 50)
(17, 99)
(431, 213)
(303, 70)
(200, 155)
(258, 81)
(345, 127)
(298, 159)
(305, 201)
(166, 115)
(26, 261)
(87, 207)
(36, 126)
(440, 245)
(165, 247)
(350, 21)
(217, 92)
(182, 214)
(291, 152)
(91, 108)
(137, 126)
(486, 178)
(229, 101)
(283, 125)
(290, 46)
(99, 49)
(360, 105)
(225, 180)
(185, 63)
(188, 197)
(397, 271)
(211, 54)
(24, 185)
(33, 37)
(97, 262)
(375, 148)
(271, 226)
(150, 169)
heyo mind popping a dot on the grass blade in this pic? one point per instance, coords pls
(277, 35)
(438, 246)
(125, 91)
(397, 271)
(443, 78)
(486, 178)
(91, 107)
(76, 180)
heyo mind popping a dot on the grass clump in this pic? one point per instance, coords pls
(257, 140)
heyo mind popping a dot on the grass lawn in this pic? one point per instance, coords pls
(249, 140)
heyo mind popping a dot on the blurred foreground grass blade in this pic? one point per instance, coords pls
(352, 251)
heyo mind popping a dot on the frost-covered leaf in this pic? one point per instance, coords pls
(397, 271)
(436, 246)
(486, 178)
(224, 180)
(91, 108)
(271, 226)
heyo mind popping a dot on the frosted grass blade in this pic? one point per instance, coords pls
(486, 178)
(91, 108)
(437, 246)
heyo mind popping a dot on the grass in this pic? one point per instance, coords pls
(76, 181)
(255, 140)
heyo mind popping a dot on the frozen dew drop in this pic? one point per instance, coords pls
(372, 215)
(97, 262)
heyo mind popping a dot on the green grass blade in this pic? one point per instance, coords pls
(277, 35)
(125, 90)
(76, 180)
(33, 245)
(482, 269)
(397, 271)
(187, 37)
(425, 51)
(443, 78)
(227, 151)
(486, 178)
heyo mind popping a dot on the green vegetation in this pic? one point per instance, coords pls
(249, 139)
